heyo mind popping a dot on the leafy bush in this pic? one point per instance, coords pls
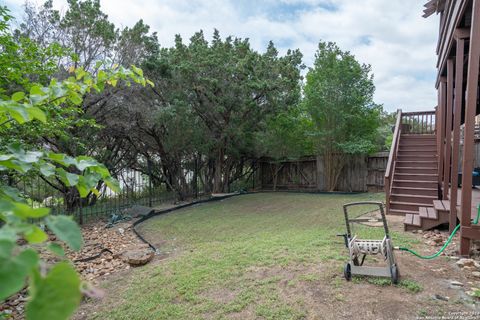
(54, 291)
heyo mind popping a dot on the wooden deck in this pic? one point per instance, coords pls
(458, 66)
(475, 201)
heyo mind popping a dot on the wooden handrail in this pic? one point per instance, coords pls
(414, 113)
(394, 146)
(418, 122)
(392, 158)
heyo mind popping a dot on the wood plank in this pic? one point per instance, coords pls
(469, 130)
(408, 218)
(448, 128)
(472, 232)
(432, 213)
(457, 117)
(422, 212)
(442, 95)
(428, 213)
(462, 33)
(438, 205)
(416, 220)
(445, 41)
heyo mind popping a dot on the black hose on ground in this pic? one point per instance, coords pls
(94, 256)
(152, 214)
(155, 213)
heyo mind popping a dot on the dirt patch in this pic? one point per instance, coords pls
(221, 295)
(323, 293)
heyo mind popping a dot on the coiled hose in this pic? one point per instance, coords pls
(475, 221)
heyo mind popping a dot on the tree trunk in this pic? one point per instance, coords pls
(217, 178)
(333, 164)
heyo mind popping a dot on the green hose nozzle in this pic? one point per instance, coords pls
(475, 221)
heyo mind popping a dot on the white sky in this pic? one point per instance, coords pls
(390, 35)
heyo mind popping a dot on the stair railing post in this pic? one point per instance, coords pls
(392, 158)
(468, 136)
(457, 115)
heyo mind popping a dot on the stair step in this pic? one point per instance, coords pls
(399, 212)
(414, 183)
(427, 213)
(431, 157)
(415, 170)
(441, 205)
(416, 176)
(412, 219)
(417, 136)
(421, 156)
(417, 147)
(418, 144)
(415, 142)
(417, 153)
(413, 198)
(418, 164)
(415, 190)
(408, 205)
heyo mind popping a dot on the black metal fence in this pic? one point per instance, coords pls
(136, 188)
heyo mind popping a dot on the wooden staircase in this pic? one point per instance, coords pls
(428, 217)
(415, 175)
(411, 179)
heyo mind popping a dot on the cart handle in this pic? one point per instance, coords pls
(377, 203)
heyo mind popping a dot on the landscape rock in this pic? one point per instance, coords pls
(465, 263)
(456, 283)
(438, 240)
(138, 256)
(440, 297)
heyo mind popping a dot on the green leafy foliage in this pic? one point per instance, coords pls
(285, 137)
(15, 268)
(56, 295)
(216, 97)
(66, 230)
(25, 102)
(339, 99)
(81, 123)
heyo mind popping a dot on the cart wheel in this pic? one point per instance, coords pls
(347, 271)
(394, 273)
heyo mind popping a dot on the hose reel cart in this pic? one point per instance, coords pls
(359, 248)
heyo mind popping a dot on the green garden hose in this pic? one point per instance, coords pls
(475, 221)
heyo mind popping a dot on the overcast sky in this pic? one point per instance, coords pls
(390, 35)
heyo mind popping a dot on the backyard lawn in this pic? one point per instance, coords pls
(266, 256)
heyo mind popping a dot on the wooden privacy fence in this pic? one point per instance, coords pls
(360, 174)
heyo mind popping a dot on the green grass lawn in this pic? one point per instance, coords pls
(249, 256)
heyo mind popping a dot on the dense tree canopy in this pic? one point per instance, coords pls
(339, 98)
(75, 111)
(31, 105)
(220, 94)
(216, 106)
